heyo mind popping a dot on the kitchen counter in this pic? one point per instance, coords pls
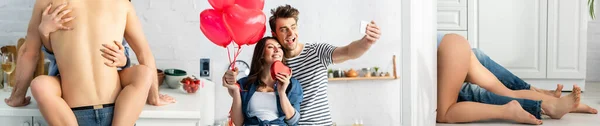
(187, 107)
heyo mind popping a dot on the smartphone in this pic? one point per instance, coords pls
(363, 27)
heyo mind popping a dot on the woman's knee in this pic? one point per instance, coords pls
(145, 75)
(441, 118)
(455, 40)
(43, 84)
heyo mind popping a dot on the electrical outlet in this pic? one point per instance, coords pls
(205, 67)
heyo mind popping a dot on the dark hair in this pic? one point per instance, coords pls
(286, 11)
(256, 66)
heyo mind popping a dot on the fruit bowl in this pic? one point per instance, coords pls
(173, 77)
(191, 84)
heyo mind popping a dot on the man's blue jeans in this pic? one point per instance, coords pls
(472, 92)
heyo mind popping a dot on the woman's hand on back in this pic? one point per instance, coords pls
(54, 21)
(114, 55)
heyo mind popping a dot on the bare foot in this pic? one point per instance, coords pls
(557, 108)
(558, 90)
(554, 93)
(516, 113)
(583, 108)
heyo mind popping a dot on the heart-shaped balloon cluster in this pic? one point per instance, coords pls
(239, 20)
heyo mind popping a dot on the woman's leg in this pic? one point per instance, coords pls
(474, 93)
(552, 106)
(453, 59)
(136, 81)
(47, 92)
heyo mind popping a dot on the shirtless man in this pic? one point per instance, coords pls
(87, 87)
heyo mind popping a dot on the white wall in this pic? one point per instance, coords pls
(593, 60)
(172, 30)
(419, 51)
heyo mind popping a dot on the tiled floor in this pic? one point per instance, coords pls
(590, 97)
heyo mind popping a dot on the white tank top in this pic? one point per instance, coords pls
(263, 105)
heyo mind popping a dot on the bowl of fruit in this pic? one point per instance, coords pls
(191, 84)
(174, 76)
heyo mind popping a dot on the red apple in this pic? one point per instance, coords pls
(187, 88)
(194, 89)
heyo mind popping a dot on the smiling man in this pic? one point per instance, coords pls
(309, 61)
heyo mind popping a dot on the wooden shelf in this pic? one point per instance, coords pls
(394, 75)
(361, 78)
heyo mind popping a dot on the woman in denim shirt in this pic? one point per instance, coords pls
(259, 99)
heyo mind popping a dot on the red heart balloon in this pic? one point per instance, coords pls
(213, 27)
(220, 4)
(257, 37)
(243, 24)
(251, 4)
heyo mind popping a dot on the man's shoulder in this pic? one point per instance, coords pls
(126, 4)
(42, 4)
(317, 45)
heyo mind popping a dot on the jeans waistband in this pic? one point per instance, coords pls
(94, 106)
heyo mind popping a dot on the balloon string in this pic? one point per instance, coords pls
(229, 56)
(235, 56)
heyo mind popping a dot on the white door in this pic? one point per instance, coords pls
(567, 39)
(513, 33)
(16, 120)
(39, 121)
(419, 62)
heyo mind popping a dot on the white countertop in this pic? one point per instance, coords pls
(188, 106)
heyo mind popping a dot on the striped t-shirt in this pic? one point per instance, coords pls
(310, 68)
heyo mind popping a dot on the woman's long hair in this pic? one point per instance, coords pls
(258, 61)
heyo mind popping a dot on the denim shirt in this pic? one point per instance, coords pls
(53, 67)
(294, 94)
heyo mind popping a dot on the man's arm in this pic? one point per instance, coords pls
(27, 58)
(357, 48)
(134, 35)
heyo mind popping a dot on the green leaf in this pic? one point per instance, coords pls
(592, 12)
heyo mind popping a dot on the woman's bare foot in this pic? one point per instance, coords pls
(516, 113)
(554, 93)
(583, 108)
(556, 109)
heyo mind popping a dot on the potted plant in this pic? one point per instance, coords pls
(330, 73)
(375, 74)
(591, 5)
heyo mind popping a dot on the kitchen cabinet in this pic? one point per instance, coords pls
(542, 41)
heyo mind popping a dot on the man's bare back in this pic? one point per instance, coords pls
(85, 80)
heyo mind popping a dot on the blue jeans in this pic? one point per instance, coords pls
(507, 78)
(472, 92)
(95, 117)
